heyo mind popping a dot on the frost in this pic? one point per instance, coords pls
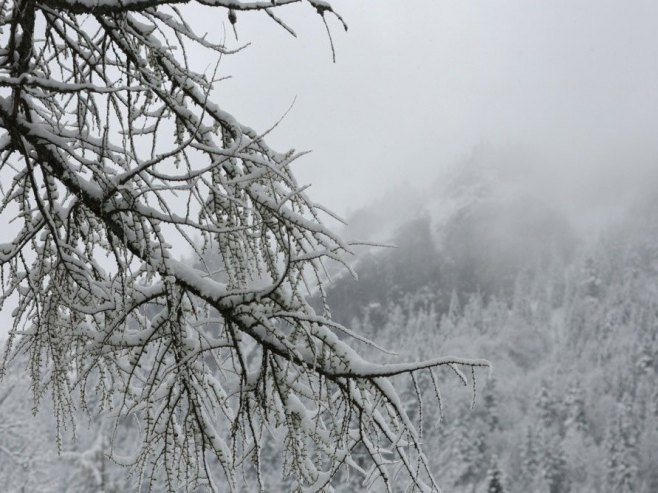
(119, 159)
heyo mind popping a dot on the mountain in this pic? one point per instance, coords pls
(481, 268)
(474, 233)
(569, 323)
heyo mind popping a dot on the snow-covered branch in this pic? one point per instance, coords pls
(116, 153)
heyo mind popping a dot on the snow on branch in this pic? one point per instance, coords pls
(114, 160)
(115, 6)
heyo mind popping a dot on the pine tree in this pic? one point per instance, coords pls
(621, 450)
(592, 282)
(467, 455)
(495, 477)
(460, 445)
(473, 312)
(576, 421)
(530, 458)
(547, 407)
(554, 469)
(491, 405)
(451, 317)
(521, 299)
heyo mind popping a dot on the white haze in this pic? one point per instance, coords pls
(569, 84)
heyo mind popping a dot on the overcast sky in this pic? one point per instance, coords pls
(418, 84)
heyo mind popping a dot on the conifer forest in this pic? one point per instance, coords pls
(458, 292)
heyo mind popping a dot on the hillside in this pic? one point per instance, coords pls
(571, 327)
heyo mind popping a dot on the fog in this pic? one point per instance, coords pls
(564, 91)
(507, 150)
(568, 85)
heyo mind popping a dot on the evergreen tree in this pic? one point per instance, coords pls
(592, 282)
(554, 470)
(547, 407)
(621, 450)
(491, 415)
(464, 464)
(495, 477)
(451, 317)
(576, 421)
(530, 458)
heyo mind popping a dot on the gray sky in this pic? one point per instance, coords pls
(573, 84)
(418, 84)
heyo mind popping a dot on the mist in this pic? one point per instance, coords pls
(495, 163)
(569, 86)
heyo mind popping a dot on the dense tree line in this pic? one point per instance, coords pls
(572, 403)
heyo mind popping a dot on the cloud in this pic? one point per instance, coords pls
(419, 84)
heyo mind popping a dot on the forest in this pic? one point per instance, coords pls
(570, 325)
(178, 312)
